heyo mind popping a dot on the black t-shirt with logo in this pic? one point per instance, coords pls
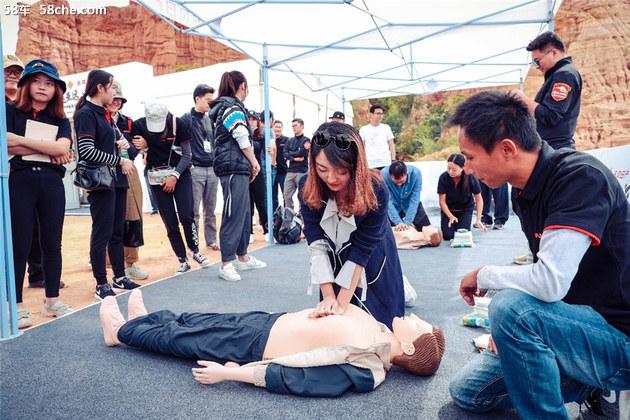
(456, 197)
(573, 190)
(16, 124)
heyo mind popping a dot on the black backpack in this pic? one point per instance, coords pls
(287, 226)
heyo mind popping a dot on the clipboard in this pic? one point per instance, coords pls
(40, 131)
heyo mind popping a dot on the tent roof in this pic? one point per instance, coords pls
(373, 48)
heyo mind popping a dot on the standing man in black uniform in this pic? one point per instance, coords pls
(557, 103)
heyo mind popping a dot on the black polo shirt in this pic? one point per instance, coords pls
(94, 122)
(574, 190)
(16, 124)
(456, 197)
(160, 143)
(559, 104)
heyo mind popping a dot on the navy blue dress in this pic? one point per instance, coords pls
(372, 246)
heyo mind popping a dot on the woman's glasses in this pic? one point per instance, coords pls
(341, 141)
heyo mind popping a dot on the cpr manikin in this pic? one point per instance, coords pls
(290, 353)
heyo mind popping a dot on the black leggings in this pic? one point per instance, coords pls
(464, 219)
(108, 225)
(257, 196)
(182, 196)
(37, 192)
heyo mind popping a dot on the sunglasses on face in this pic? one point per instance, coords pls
(341, 141)
(536, 61)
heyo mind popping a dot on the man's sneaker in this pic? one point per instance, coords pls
(40, 284)
(200, 259)
(524, 259)
(250, 264)
(183, 267)
(604, 404)
(135, 272)
(24, 319)
(498, 226)
(103, 290)
(228, 273)
(57, 309)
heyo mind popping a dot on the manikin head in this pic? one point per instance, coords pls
(422, 350)
(495, 131)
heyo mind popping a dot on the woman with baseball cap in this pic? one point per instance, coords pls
(36, 179)
(98, 142)
(167, 142)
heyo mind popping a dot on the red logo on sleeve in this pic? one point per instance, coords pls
(560, 91)
(537, 235)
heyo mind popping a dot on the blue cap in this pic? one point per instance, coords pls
(43, 67)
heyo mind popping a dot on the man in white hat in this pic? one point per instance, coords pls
(13, 68)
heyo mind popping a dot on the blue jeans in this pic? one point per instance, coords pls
(550, 353)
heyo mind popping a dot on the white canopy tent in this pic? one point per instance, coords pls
(371, 48)
(351, 48)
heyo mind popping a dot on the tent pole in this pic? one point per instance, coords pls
(268, 139)
(550, 23)
(7, 281)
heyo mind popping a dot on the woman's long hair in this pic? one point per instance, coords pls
(359, 196)
(230, 81)
(95, 77)
(24, 102)
(460, 160)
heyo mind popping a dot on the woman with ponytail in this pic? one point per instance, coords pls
(456, 190)
(97, 142)
(236, 166)
(36, 179)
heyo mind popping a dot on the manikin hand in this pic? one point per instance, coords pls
(328, 306)
(212, 373)
(468, 287)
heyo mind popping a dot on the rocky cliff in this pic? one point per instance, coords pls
(124, 34)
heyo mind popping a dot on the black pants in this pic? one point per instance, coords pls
(277, 185)
(501, 204)
(420, 220)
(37, 194)
(108, 210)
(238, 337)
(464, 219)
(257, 196)
(183, 198)
(35, 268)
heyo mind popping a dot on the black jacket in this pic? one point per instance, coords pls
(559, 104)
(227, 113)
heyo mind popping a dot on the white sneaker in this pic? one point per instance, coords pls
(57, 309)
(23, 319)
(228, 273)
(251, 264)
(135, 272)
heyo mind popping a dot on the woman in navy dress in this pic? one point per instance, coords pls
(344, 205)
